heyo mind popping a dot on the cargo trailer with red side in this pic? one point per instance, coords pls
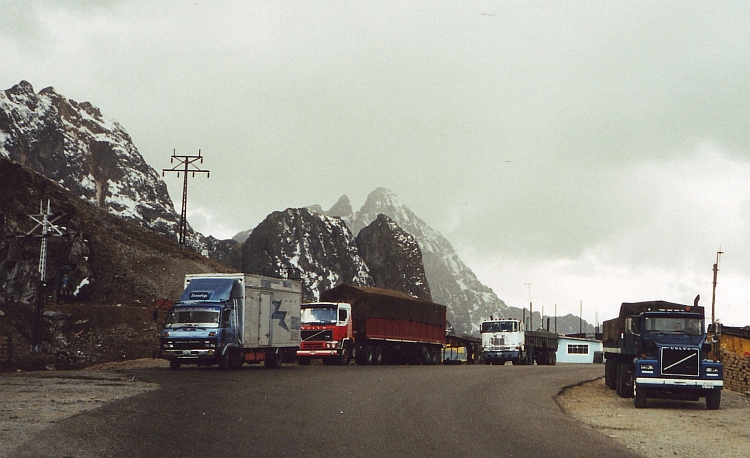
(372, 326)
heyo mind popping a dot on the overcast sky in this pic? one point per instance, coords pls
(572, 152)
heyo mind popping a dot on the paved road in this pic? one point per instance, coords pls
(322, 411)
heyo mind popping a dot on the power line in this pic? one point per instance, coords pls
(188, 165)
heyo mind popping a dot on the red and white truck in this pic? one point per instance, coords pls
(372, 326)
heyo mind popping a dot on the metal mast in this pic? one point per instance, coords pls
(49, 229)
(185, 165)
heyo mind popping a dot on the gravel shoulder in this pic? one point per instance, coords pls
(32, 401)
(665, 427)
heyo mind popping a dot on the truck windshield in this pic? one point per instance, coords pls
(318, 315)
(500, 326)
(205, 318)
(675, 325)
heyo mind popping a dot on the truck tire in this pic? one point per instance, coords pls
(424, 355)
(435, 355)
(174, 364)
(273, 358)
(346, 355)
(713, 399)
(530, 357)
(610, 373)
(553, 358)
(377, 356)
(640, 397)
(624, 380)
(365, 358)
(224, 362)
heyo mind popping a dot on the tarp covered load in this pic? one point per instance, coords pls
(369, 302)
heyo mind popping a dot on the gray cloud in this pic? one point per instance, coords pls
(603, 136)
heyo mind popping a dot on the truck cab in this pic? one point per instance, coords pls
(202, 326)
(659, 350)
(326, 333)
(502, 340)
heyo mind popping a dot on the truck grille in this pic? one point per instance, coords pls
(681, 361)
(495, 340)
(317, 335)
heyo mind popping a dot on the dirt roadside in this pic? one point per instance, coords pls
(665, 427)
(32, 401)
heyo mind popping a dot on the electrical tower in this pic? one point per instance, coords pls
(49, 229)
(186, 164)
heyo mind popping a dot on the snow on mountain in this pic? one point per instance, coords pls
(85, 152)
(316, 249)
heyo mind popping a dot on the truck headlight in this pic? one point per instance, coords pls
(647, 368)
(712, 371)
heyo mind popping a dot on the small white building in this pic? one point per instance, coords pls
(578, 350)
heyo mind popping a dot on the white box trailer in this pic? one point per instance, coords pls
(232, 319)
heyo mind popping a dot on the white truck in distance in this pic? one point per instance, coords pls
(506, 340)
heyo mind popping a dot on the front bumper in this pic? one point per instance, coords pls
(505, 355)
(317, 353)
(208, 353)
(670, 383)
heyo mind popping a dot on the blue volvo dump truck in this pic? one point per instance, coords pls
(658, 349)
(232, 319)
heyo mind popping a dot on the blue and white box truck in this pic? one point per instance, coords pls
(232, 319)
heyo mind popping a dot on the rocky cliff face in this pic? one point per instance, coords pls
(316, 249)
(103, 276)
(394, 258)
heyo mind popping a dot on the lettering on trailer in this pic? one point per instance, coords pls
(277, 315)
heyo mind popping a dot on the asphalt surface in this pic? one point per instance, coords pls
(325, 411)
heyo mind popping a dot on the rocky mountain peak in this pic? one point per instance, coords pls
(394, 258)
(318, 250)
(342, 208)
(88, 154)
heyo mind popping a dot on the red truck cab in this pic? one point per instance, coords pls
(326, 333)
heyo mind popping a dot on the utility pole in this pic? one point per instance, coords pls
(187, 164)
(580, 319)
(713, 298)
(49, 229)
(531, 309)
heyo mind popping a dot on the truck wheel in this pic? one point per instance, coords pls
(424, 355)
(640, 397)
(553, 358)
(530, 357)
(365, 358)
(610, 373)
(174, 364)
(235, 358)
(377, 357)
(624, 381)
(346, 355)
(713, 399)
(273, 358)
(303, 360)
(224, 362)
